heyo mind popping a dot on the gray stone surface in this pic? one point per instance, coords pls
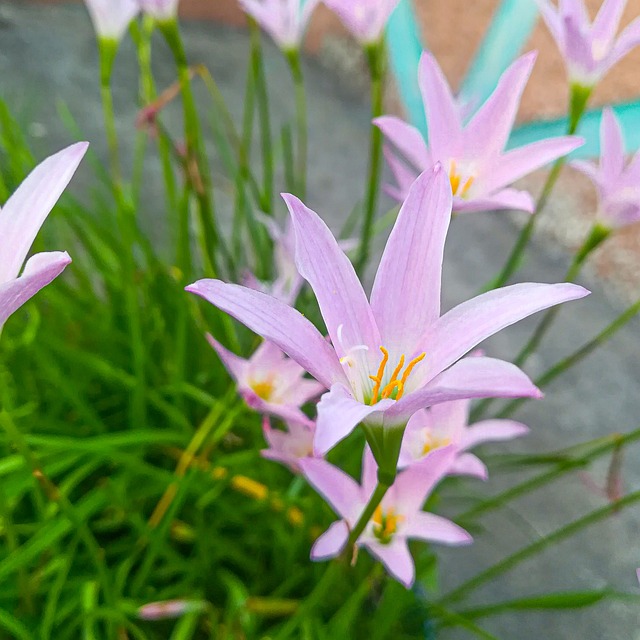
(48, 55)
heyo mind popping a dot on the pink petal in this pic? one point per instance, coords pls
(39, 271)
(491, 127)
(406, 293)
(27, 209)
(606, 24)
(510, 199)
(235, 365)
(629, 39)
(451, 417)
(342, 300)
(402, 173)
(433, 528)
(278, 322)
(552, 20)
(492, 431)
(396, 559)
(443, 120)
(520, 162)
(340, 490)
(331, 542)
(611, 148)
(369, 477)
(576, 10)
(406, 139)
(466, 464)
(588, 168)
(578, 50)
(338, 415)
(468, 324)
(468, 378)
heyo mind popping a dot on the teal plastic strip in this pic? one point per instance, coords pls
(405, 48)
(510, 28)
(627, 113)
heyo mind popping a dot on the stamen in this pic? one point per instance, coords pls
(388, 390)
(411, 365)
(378, 378)
(467, 186)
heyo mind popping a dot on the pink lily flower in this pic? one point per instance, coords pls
(395, 354)
(162, 10)
(291, 446)
(447, 425)
(479, 169)
(269, 382)
(111, 18)
(20, 220)
(589, 49)
(284, 20)
(398, 518)
(365, 19)
(617, 182)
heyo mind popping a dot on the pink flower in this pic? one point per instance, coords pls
(394, 354)
(291, 446)
(269, 382)
(365, 19)
(161, 10)
(111, 18)
(398, 518)
(284, 20)
(20, 220)
(170, 609)
(589, 49)
(446, 425)
(617, 182)
(479, 169)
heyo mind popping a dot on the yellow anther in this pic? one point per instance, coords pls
(378, 378)
(385, 524)
(388, 390)
(467, 186)
(394, 383)
(411, 365)
(263, 389)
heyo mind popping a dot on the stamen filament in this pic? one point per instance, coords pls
(378, 378)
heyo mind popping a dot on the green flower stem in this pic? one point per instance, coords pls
(374, 502)
(126, 223)
(52, 493)
(578, 103)
(538, 546)
(578, 355)
(376, 58)
(196, 165)
(293, 58)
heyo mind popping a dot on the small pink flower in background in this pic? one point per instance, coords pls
(446, 425)
(170, 609)
(398, 518)
(617, 181)
(269, 382)
(111, 18)
(291, 446)
(365, 19)
(160, 9)
(20, 220)
(589, 49)
(284, 20)
(394, 354)
(479, 169)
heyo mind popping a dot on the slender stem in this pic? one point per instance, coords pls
(578, 355)
(293, 58)
(579, 98)
(107, 50)
(374, 502)
(558, 535)
(377, 68)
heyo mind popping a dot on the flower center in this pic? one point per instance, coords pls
(262, 388)
(394, 389)
(458, 187)
(432, 442)
(385, 524)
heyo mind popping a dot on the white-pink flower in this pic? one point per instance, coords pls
(290, 446)
(111, 18)
(365, 19)
(20, 220)
(269, 382)
(447, 425)
(398, 517)
(589, 49)
(284, 20)
(160, 9)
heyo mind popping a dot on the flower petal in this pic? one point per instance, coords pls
(340, 490)
(278, 322)
(433, 528)
(338, 415)
(492, 431)
(629, 39)
(39, 271)
(606, 24)
(26, 210)
(510, 199)
(406, 293)
(468, 378)
(491, 126)
(404, 175)
(340, 295)
(331, 542)
(235, 365)
(467, 464)
(396, 559)
(468, 324)
(611, 148)
(406, 139)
